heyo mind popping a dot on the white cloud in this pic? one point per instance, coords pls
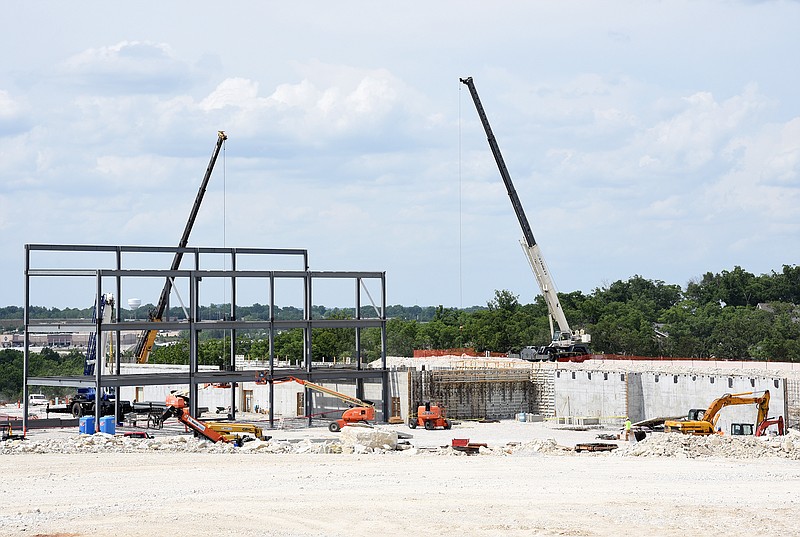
(9, 108)
(765, 178)
(695, 135)
(235, 92)
(628, 151)
(127, 67)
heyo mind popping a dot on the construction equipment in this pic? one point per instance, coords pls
(83, 402)
(430, 417)
(361, 412)
(148, 337)
(232, 430)
(761, 430)
(565, 342)
(213, 431)
(704, 422)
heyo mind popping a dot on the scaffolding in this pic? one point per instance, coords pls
(122, 271)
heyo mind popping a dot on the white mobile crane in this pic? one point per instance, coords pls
(565, 343)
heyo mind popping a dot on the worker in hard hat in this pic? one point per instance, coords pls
(627, 428)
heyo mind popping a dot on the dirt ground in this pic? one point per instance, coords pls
(415, 492)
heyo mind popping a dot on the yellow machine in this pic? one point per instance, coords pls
(234, 431)
(701, 422)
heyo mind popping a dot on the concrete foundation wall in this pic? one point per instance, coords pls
(595, 394)
(793, 403)
(612, 396)
(485, 393)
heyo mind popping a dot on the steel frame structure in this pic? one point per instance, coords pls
(193, 376)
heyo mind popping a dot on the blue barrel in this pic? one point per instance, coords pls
(86, 425)
(108, 425)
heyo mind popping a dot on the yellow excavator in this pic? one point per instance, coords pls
(704, 422)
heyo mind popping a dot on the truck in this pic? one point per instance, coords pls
(701, 422)
(565, 343)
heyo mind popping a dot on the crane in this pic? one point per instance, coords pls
(148, 337)
(564, 341)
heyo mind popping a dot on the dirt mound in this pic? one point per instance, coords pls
(693, 447)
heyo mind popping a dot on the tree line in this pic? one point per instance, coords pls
(728, 315)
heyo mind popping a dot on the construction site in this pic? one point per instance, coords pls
(556, 441)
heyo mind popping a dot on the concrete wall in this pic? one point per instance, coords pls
(487, 393)
(612, 395)
(590, 394)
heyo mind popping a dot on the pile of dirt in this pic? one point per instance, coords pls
(106, 443)
(732, 447)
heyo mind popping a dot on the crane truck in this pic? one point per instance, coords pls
(704, 422)
(147, 338)
(361, 411)
(565, 343)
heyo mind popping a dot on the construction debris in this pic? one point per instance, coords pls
(595, 446)
(356, 439)
(693, 447)
(389, 441)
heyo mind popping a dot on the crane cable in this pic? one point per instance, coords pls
(224, 217)
(460, 242)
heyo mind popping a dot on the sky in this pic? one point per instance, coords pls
(659, 139)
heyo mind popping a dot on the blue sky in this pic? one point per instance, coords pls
(652, 138)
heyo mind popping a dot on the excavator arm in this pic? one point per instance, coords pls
(746, 398)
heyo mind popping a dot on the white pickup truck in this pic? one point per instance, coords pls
(36, 399)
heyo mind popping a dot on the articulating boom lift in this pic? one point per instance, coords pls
(564, 342)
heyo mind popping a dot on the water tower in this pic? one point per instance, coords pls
(133, 305)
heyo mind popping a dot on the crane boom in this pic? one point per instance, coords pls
(145, 343)
(564, 337)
